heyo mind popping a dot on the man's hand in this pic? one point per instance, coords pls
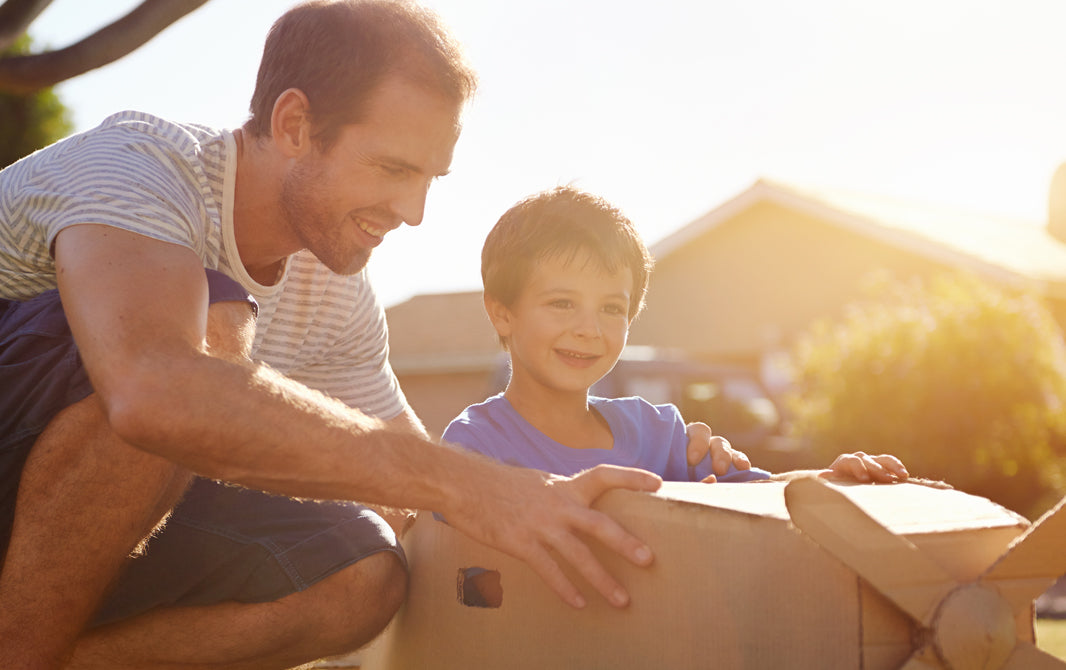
(861, 467)
(701, 441)
(530, 515)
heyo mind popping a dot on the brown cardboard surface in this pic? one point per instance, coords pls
(734, 585)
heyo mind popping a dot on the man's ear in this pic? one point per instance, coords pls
(290, 122)
(499, 315)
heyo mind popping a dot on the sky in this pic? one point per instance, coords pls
(668, 109)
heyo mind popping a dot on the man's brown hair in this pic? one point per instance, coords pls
(338, 51)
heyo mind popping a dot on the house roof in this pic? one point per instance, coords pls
(1000, 248)
(441, 332)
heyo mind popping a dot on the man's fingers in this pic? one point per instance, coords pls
(578, 554)
(553, 522)
(547, 569)
(594, 482)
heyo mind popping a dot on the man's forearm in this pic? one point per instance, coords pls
(252, 426)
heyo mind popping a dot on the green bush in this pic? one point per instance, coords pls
(31, 121)
(963, 381)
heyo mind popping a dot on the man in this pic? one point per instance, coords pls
(356, 111)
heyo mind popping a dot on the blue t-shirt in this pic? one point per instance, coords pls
(646, 436)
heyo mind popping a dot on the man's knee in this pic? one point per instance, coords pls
(230, 330)
(362, 599)
(231, 315)
(80, 436)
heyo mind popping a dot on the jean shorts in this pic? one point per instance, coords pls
(222, 542)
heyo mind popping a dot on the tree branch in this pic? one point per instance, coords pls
(16, 16)
(25, 74)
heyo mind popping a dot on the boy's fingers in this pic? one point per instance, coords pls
(699, 443)
(849, 466)
(740, 459)
(862, 467)
(893, 465)
(702, 440)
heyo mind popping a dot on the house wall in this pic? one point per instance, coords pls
(754, 281)
(438, 398)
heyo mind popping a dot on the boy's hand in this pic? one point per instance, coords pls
(861, 467)
(701, 441)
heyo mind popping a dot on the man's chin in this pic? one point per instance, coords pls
(354, 265)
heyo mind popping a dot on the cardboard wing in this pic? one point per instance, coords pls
(734, 585)
(963, 623)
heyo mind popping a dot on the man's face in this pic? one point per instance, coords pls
(339, 204)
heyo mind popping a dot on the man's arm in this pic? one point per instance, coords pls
(137, 308)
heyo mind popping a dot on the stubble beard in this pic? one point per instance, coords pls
(301, 197)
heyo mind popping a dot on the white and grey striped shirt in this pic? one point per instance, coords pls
(174, 183)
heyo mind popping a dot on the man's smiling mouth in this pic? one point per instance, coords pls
(370, 228)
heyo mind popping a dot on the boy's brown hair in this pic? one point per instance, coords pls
(560, 223)
(338, 51)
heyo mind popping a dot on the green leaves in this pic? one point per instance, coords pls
(963, 381)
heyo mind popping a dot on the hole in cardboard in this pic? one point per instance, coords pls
(480, 587)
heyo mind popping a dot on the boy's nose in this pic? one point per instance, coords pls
(587, 325)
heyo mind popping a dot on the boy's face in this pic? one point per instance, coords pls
(567, 327)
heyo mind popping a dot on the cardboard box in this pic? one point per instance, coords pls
(736, 585)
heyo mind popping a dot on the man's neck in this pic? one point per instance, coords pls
(258, 226)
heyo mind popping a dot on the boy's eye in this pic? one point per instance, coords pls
(616, 309)
(561, 303)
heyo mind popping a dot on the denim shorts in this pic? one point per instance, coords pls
(222, 543)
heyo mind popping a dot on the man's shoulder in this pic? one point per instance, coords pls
(150, 124)
(155, 136)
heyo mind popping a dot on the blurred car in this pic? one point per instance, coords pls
(729, 398)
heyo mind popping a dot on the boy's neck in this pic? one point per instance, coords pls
(567, 419)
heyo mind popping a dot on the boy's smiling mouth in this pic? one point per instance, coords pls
(576, 357)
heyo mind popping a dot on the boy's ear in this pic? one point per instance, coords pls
(290, 122)
(499, 315)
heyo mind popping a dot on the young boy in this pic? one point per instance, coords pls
(565, 274)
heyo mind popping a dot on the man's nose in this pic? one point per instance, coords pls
(412, 204)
